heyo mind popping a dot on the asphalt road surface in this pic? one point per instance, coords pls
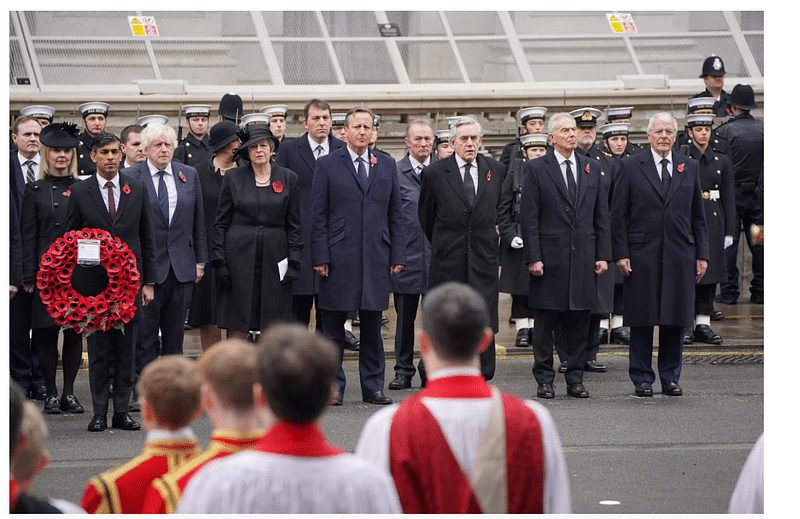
(625, 454)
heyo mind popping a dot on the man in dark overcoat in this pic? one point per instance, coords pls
(300, 155)
(660, 244)
(458, 213)
(411, 283)
(564, 225)
(357, 241)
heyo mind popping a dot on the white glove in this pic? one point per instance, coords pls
(516, 243)
(728, 241)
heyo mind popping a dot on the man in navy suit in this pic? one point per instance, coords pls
(300, 155)
(564, 226)
(357, 241)
(90, 205)
(660, 245)
(179, 229)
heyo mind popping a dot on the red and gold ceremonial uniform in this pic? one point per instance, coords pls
(165, 491)
(122, 490)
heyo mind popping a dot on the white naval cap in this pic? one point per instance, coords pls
(94, 107)
(39, 112)
(275, 110)
(256, 118)
(147, 119)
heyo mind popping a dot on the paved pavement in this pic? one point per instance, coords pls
(658, 455)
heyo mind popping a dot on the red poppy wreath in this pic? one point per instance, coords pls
(111, 308)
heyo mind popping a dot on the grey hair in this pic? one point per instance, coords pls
(551, 123)
(419, 122)
(464, 120)
(664, 117)
(155, 130)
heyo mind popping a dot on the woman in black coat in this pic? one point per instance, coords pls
(223, 142)
(256, 238)
(44, 210)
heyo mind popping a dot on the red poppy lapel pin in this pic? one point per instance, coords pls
(680, 168)
(587, 168)
(67, 192)
(277, 186)
(126, 189)
(373, 159)
(183, 179)
(488, 176)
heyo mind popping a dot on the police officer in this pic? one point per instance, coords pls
(745, 136)
(531, 122)
(94, 116)
(514, 275)
(43, 114)
(713, 75)
(277, 120)
(716, 182)
(231, 108)
(195, 148)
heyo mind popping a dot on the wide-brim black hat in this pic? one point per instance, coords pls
(222, 134)
(61, 135)
(253, 134)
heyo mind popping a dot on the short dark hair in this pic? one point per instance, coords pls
(102, 139)
(132, 128)
(296, 370)
(358, 110)
(454, 317)
(23, 119)
(319, 103)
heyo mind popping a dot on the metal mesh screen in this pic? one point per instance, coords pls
(305, 63)
(365, 62)
(578, 58)
(212, 62)
(430, 62)
(489, 61)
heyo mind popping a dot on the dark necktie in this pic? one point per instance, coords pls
(318, 151)
(571, 185)
(362, 171)
(469, 185)
(112, 209)
(29, 177)
(666, 179)
(163, 197)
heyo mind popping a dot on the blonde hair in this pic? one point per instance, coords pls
(171, 386)
(229, 368)
(155, 130)
(26, 461)
(44, 166)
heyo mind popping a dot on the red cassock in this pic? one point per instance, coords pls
(427, 475)
(122, 490)
(166, 491)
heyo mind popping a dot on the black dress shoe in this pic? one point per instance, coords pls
(620, 335)
(727, 299)
(688, 336)
(377, 398)
(70, 404)
(522, 339)
(717, 315)
(545, 391)
(671, 389)
(125, 422)
(51, 405)
(400, 382)
(644, 390)
(604, 336)
(577, 390)
(98, 423)
(594, 367)
(563, 367)
(704, 333)
(350, 341)
(39, 393)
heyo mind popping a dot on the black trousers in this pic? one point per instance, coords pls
(301, 309)
(574, 325)
(670, 354)
(748, 212)
(371, 361)
(704, 299)
(406, 307)
(23, 362)
(167, 313)
(111, 355)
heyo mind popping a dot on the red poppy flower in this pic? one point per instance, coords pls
(373, 160)
(277, 186)
(488, 176)
(126, 189)
(587, 168)
(680, 168)
(180, 176)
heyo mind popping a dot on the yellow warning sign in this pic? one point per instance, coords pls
(621, 23)
(143, 26)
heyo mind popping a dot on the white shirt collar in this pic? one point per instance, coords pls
(561, 158)
(102, 182)
(313, 144)
(354, 155)
(454, 372)
(414, 162)
(162, 434)
(23, 160)
(154, 170)
(658, 158)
